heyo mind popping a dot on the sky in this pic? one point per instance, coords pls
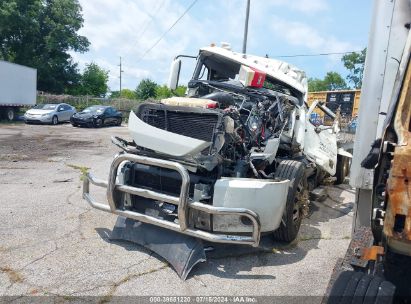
(129, 28)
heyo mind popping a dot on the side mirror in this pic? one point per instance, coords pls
(174, 74)
(60, 109)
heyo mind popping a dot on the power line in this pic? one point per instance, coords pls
(148, 23)
(144, 28)
(312, 55)
(167, 31)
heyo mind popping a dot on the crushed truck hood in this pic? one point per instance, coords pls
(163, 141)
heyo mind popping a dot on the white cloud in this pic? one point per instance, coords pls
(301, 34)
(310, 40)
(304, 6)
(114, 71)
(115, 28)
(309, 6)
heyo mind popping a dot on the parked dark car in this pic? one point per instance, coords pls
(97, 116)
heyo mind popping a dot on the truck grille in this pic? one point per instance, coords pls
(163, 180)
(196, 123)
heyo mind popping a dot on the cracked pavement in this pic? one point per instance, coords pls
(53, 243)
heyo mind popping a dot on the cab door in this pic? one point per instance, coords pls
(320, 143)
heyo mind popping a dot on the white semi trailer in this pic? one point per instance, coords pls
(18, 85)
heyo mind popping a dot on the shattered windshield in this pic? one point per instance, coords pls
(211, 67)
(216, 68)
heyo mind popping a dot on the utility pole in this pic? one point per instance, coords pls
(246, 28)
(121, 71)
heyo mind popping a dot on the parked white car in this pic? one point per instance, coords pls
(50, 113)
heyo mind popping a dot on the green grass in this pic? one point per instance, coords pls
(83, 170)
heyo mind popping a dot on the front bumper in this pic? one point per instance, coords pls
(116, 190)
(82, 122)
(37, 119)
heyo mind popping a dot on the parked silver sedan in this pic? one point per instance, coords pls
(50, 113)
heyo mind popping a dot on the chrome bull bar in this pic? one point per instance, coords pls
(183, 202)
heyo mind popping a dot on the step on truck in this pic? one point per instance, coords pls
(232, 160)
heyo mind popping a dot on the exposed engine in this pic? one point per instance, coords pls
(244, 127)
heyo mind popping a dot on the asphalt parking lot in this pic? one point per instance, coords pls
(53, 243)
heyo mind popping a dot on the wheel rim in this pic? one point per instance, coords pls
(98, 123)
(10, 115)
(55, 120)
(300, 202)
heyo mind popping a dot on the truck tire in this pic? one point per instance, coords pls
(10, 114)
(292, 216)
(360, 288)
(396, 270)
(343, 168)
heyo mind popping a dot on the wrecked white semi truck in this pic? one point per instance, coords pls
(234, 159)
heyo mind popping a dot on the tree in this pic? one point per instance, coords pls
(334, 81)
(115, 94)
(331, 82)
(354, 62)
(94, 81)
(40, 34)
(316, 85)
(146, 89)
(125, 93)
(180, 91)
(128, 94)
(163, 92)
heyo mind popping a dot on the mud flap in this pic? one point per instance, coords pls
(181, 251)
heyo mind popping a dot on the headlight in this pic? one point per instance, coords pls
(45, 115)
